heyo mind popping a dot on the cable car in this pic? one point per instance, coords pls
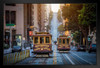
(42, 43)
(63, 43)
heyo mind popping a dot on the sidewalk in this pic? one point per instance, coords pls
(6, 51)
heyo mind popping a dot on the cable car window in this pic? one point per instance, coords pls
(36, 40)
(67, 41)
(63, 41)
(47, 40)
(59, 40)
(41, 39)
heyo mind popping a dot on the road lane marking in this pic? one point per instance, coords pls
(82, 59)
(55, 58)
(74, 59)
(63, 59)
(70, 60)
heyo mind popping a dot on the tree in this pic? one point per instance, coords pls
(87, 17)
(61, 28)
(71, 12)
(50, 17)
(59, 15)
(76, 36)
(80, 17)
(87, 14)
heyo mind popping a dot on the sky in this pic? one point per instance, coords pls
(55, 7)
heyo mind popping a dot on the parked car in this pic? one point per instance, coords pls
(81, 48)
(92, 48)
(16, 49)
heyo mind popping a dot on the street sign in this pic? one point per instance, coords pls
(10, 24)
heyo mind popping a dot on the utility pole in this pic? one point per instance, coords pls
(10, 31)
(10, 36)
(89, 30)
(80, 37)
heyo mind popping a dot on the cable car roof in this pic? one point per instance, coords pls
(63, 36)
(42, 34)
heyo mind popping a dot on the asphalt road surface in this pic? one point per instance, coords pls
(61, 58)
(54, 27)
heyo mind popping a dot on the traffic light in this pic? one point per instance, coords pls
(89, 38)
(30, 33)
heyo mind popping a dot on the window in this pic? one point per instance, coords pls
(47, 40)
(36, 40)
(63, 41)
(7, 17)
(59, 40)
(67, 41)
(7, 37)
(13, 17)
(10, 17)
(41, 39)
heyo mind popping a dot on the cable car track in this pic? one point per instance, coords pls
(63, 58)
(76, 61)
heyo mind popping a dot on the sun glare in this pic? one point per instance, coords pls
(55, 7)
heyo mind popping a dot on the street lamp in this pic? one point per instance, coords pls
(10, 32)
(66, 25)
(45, 21)
(67, 32)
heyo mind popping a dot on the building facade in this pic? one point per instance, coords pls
(43, 16)
(26, 20)
(13, 14)
(47, 13)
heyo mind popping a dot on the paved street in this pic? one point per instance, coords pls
(59, 58)
(54, 25)
(43, 27)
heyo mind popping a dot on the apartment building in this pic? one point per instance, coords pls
(14, 17)
(26, 20)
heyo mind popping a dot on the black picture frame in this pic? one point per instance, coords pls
(50, 1)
